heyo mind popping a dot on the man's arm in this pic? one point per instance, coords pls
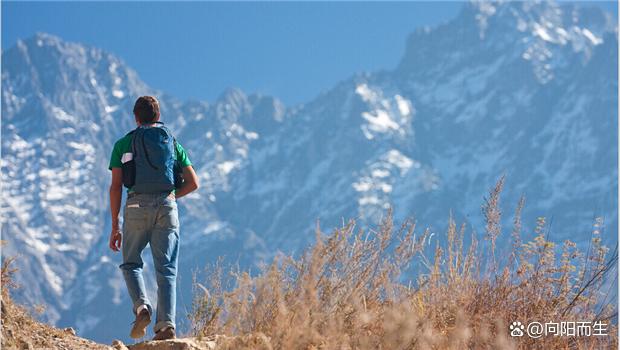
(190, 184)
(116, 192)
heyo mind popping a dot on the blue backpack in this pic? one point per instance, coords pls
(154, 167)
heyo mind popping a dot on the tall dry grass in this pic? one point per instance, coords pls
(348, 291)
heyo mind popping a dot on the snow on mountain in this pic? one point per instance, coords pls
(63, 107)
(59, 100)
(523, 89)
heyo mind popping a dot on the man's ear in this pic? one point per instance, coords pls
(136, 118)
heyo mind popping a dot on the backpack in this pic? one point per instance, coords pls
(153, 167)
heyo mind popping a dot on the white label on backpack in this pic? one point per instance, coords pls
(137, 205)
(126, 157)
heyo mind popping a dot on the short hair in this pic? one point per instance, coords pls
(146, 109)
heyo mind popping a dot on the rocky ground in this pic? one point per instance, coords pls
(21, 331)
(174, 344)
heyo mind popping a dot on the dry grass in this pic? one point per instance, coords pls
(347, 291)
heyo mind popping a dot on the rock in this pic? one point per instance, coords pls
(70, 330)
(118, 345)
(175, 344)
(26, 346)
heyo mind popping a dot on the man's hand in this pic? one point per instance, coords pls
(115, 240)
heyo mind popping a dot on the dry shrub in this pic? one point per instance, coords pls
(347, 291)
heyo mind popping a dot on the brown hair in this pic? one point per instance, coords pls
(146, 109)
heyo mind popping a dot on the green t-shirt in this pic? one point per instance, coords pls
(123, 147)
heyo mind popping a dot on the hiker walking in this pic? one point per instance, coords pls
(156, 171)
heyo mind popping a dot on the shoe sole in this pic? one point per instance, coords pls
(139, 328)
(167, 336)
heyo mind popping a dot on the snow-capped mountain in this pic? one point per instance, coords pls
(523, 89)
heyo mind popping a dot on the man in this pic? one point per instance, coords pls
(143, 161)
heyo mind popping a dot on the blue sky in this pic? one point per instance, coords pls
(194, 50)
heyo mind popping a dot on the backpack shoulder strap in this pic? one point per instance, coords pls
(133, 139)
(174, 143)
(163, 127)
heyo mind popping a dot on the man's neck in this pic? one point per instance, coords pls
(151, 123)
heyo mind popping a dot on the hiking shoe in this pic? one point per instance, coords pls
(164, 334)
(143, 318)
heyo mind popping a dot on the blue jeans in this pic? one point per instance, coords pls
(152, 219)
